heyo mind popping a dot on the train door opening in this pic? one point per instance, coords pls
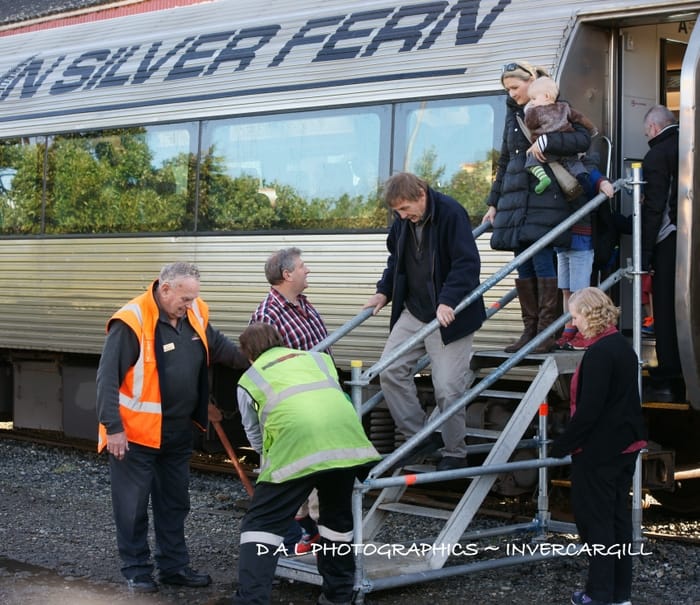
(615, 70)
(649, 62)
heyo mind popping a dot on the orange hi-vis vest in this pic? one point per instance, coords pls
(139, 393)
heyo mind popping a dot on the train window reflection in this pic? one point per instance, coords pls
(125, 180)
(453, 144)
(20, 186)
(316, 169)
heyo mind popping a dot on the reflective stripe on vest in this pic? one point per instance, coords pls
(285, 472)
(272, 399)
(139, 394)
(135, 402)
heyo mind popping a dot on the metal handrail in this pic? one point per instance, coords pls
(365, 314)
(472, 393)
(424, 361)
(486, 285)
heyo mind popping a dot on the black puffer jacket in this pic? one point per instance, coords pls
(523, 216)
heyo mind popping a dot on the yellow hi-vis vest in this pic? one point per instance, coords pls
(308, 424)
(139, 394)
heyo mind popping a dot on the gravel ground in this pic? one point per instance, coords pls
(57, 546)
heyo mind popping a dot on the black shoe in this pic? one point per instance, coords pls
(450, 463)
(424, 449)
(142, 583)
(429, 446)
(187, 577)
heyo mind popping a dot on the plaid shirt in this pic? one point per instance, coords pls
(300, 325)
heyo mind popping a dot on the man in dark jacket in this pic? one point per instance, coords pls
(433, 265)
(659, 212)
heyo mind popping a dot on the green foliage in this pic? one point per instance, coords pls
(243, 203)
(108, 185)
(108, 182)
(20, 207)
(470, 185)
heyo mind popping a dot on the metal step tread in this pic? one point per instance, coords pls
(378, 562)
(483, 433)
(484, 360)
(499, 394)
(416, 510)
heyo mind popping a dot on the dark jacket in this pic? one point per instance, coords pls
(608, 416)
(455, 265)
(523, 216)
(660, 173)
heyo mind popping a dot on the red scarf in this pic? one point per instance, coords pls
(574, 380)
(611, 329)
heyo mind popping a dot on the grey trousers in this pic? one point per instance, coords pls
(449, 366)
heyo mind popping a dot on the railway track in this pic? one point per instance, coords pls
(659, 525)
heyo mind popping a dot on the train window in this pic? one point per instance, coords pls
(308, 170)
(123, 180)
(21, 175)
(453, 144)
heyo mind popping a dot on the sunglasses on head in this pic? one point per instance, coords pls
(508, 67)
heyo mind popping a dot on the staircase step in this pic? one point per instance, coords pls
(560, 482)
(497, 394)
(483, 433)
(418, 511)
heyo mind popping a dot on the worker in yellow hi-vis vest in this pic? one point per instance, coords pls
(308, 435)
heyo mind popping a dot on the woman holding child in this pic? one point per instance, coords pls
(520, 216)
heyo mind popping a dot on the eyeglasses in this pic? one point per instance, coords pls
(508, 67)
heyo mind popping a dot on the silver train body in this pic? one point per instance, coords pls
(207, 61)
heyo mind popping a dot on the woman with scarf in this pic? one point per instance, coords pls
(604, 437)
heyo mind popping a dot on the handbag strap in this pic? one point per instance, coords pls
(525, 129)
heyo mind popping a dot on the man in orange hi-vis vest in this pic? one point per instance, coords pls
(152, 386)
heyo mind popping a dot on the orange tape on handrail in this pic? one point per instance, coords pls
(410, 479)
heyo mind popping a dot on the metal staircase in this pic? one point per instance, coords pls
(428, 560)
(420, 562)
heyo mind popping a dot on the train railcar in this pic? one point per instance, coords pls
(138, 133)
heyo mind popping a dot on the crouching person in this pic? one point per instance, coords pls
(308, 435)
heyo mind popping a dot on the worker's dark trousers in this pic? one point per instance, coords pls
(265, 524)
(600, 501)
(163, 476)
(664, 300)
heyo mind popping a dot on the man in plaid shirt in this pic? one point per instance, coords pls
(285, 307)
(301, 327)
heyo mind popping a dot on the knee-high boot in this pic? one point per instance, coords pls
(527, 295)
(548, 299)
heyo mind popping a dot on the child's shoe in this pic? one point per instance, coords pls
(578, 343)
(566, 336)
(306, 543)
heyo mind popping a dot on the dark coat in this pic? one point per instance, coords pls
(608, 416)
(660, 173)
(454, 260)
(523, 216)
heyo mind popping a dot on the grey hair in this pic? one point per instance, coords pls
(174, 271)
(660, 115)
(279, 262)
